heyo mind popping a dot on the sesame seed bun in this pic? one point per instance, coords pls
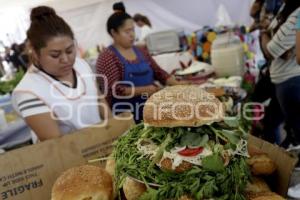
(182, 105)
(85, 182)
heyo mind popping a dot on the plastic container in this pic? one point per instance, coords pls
(163, 42)
(227, 55)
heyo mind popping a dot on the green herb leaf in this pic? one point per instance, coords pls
(232, 136)
(232, 122)
(213, 163)
(150, 194)
(161, 149)
(193, 139)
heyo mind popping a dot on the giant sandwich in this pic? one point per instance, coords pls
(183, 150)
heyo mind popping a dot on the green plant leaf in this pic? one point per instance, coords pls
(213, 163)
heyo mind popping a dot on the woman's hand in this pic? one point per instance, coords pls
(173, 81)
(287, 55)
(151, 89)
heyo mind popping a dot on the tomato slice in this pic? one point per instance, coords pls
(191, 151)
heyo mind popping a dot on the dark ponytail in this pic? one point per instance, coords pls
(45, 24)
(115, 21)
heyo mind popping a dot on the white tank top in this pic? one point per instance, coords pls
(74, 108)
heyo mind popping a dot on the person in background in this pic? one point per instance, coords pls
(7, 53)
(255, 14)
(16, 58)
(23, 57)
(2, 71)
(13, 55)
(263, 11)
(123, 61)
(2, 58)
(144, 24)
(278, 44)
(58, 94)
(294, 191)
(119, 7)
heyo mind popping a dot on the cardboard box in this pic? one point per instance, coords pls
(285, 164)
(29, 173)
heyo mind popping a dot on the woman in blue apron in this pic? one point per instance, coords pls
(139, 74)
(132, 66)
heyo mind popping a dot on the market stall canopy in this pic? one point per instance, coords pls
(88, 18)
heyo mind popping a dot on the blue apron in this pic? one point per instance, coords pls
(139, 74)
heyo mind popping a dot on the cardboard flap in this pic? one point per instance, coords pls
(29, 172)
(284, 161)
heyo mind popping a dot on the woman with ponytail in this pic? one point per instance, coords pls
(132, 74)
(58, 94)
(145, 25)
